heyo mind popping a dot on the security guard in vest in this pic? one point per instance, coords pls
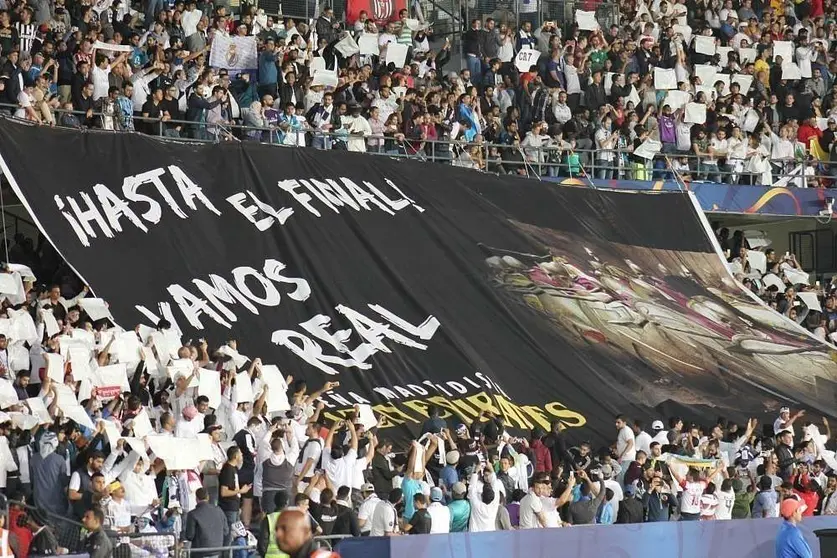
(267, 533)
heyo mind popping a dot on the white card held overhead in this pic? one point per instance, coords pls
(396, 54)
(526, 58)
(142, 424)
(166, 349)
(23, 421)
(78, 414)
(126, 347)
(84, 336)
(26, 272)
(55, 367)
(744, 81)
(723, 55)
(684, 30)
(326, 78)
(8, 395)
(665, 78)
(11, 286)
(243, 388)
(791, 71)
(50, 323)
(811, 300)
(180, 367)
(96, 308)
(586, 20)
(783, 49)
(705, 45)
(19, 357)
(695, 113)
(112, 432)
(37, 407)
(747, 55)
(677, 99)
(238, 359)
(706, 73)
(112, 376)
(368, 44)
(23, 326)
(151, 365)
(772, 280)
(648, 149)
(347, 46)
(210, 386)
(277, 395)
(367, 417)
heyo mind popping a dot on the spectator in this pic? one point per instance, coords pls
(440, 517)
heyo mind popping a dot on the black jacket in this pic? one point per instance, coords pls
(346, 522)
(206, 527)
(630, 511)
(98, 545)
(286, 91)
(382, 476)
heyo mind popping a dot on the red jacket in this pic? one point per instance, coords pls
(806, 132)
(543, 458)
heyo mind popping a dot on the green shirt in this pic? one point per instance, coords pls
(597, 59)
(460, 513)
(741, 507)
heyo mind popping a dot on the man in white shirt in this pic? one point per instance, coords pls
(312, 449)
(625, 445)
(439, 513)
(533, 512)
(100, 72)
(642, 439)
(609, 482)
(785, 420)
(385, 518)
(338, 467)
(367, 508)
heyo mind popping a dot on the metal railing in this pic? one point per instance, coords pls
(533, 161)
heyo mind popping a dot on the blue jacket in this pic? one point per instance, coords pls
(790, 543)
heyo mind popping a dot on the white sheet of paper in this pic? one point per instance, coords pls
(84, 336)
(783, 49)
(164, 346)
(78, 414)
(608, 82)
(706, 73)
(705, 45)
(112, 432)
(665, 78)
(526, 58)
(317, 63)
(326, 78)
(66, 343)
(19, 357)
(96, 308)
(50, 323)
(26, 272)
(791, 71)
(203, 447)
(586, 20)
(178, 454)
(137, 445)
(8, 395)
(811, 301)
(758, 261)
(55, 367)
(180, 367)
(648, 149)
(396, 54)
(210, 386)
(10, 284)
(744, 81)
(243, 388)
(747, 55)
(684, 30)
(723, 54)
(277, 395)
(142, 425)
(36, 405)
(695, 113)
(368, 44)
(112, 375)
(773, 280)
(24, 422)
(751, 120)
(239, 359)
(23, 327)
(151, 365)
(80, 362)
(126, 346)
(367, 417)
(796, 276)
(677, 99)
(347, 46)
(633, 97)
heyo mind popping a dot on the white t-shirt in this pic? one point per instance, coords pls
(384, 520)
(725, 502)
(618, 494)
(367, 508)
(530, 507)
(625, 435)
(690, 499)
(341, 471)
(99, 77)
(439, 518)
(777, 426)
(313, 450)
(643, 442)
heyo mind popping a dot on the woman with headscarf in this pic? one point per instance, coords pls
(255, 122)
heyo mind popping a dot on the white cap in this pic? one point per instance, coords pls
(657, 425)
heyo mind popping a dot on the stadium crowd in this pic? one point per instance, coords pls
(780, 281)
(73, 446)
(740, 91)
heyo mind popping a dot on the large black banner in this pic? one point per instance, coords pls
(416, 284)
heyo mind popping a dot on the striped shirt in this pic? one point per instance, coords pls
(26, 33)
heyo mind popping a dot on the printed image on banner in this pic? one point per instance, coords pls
(233, 53)
(416, 285)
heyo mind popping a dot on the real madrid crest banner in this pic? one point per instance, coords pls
(233, 53)
(377, 10)
(419, 286)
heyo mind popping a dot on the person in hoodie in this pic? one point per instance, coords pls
(541, 455)
(49, 475)
(277, 471)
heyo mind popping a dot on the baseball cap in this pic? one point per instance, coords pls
(368, 487)
(436, 494)
(459, 488)
(790, 505)
(657, 425)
